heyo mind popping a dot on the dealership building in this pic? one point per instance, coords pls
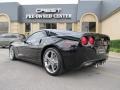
(86, 16)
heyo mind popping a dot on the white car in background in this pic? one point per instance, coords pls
(8, 38)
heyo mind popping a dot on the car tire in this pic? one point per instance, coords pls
(52, 62)
(12, 53)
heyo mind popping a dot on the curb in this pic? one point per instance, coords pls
(114, 55)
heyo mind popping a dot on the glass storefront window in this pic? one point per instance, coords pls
(48, 26)
(3, 27)
(42, 26)
(69, 26)
(89, 26)
(27, 27)
(92, 27)
(54, 26)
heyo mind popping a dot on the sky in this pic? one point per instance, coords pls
(28, 2)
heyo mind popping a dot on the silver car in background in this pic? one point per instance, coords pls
(8, 38)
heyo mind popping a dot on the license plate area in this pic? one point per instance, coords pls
(101, 50)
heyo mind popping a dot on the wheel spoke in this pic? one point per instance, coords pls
(53, 55)
(53, 68)
(55, 62)
(48, 64)
(47, 58)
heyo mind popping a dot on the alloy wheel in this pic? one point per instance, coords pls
(11, 53)
(51, 61)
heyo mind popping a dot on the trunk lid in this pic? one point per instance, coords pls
(100, 39)
(101, 42)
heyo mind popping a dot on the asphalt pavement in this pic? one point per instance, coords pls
(20, 75)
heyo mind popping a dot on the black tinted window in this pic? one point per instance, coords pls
(35, 38)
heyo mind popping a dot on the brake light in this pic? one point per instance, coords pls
(91, 40)
(84, 40)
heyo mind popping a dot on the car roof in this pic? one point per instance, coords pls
(64, 32)
(58, 31)
(10, 34)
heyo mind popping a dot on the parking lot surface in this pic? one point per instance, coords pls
(19, 75)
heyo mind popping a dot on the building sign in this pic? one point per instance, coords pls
(48, 13)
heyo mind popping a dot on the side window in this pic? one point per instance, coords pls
(9, 36)
(35, 38)
(69, 26)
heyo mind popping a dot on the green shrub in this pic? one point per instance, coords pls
(115, 45)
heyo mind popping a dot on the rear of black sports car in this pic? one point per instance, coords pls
(88, 49)
(59, 50)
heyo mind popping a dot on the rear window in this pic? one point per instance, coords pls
(69, 33)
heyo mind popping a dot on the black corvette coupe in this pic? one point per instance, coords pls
(59, 50)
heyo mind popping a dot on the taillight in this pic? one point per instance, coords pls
(84, 40)
(91, 40)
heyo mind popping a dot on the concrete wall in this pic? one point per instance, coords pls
(74, 27)
(111, 26)
(61, 26)
(35, 27)
(89, 18)
(3, 18)
(16, 27)
(22, 28)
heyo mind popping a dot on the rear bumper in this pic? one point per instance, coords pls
(77, 57)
